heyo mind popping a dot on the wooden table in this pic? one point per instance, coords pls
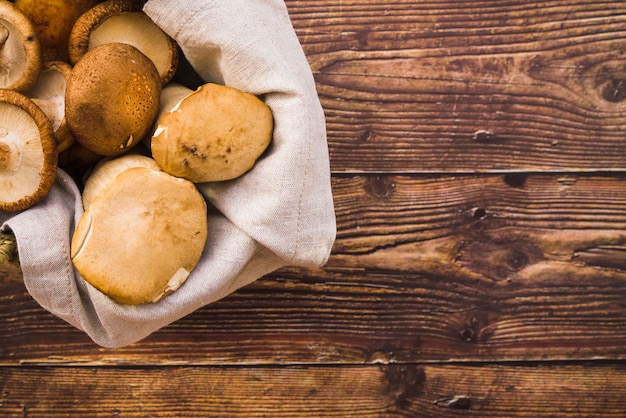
(478, 152)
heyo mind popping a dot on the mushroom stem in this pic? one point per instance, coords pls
(10, 152)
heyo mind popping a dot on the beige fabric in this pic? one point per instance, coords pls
(280, 213)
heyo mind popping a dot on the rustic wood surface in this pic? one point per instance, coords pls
(478, 152)
(406, 390)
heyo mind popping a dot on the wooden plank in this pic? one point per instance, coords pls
(425, 268)
(362, 391)
(477, 86)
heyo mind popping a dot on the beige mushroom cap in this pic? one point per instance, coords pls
(124, 21)
(28, 154)
(141, 236)
(106, 170)
(215, 133)
(112, 98)
(49, 94)
(20, 51)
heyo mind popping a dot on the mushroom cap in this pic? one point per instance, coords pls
(123, 21)
(215, 133)
(171, 94)
(20, 51)
(141, 236)
(28, 154)
(107, 169)
(78, 161)
(49, 94)
(112, 98)
(53, 21)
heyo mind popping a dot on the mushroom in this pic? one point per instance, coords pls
(49, 94)
(78, 161)
(20, 59)
(28, 154)
(123, 21)
(213, 133)
(112, 98)
(141, 236)
(53, 21)
(107, 169)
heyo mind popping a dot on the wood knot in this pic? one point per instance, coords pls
(362, 37)
(380, 187)
(366, 136)
(468, 334)
(499, 259)
(404, 383)
(473, 328)
(516, 260)
(614, 91)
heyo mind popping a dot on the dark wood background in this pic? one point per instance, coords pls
(478, 151)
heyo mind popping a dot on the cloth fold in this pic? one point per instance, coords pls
(280, 213)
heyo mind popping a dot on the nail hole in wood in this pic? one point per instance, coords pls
(483, 136)
(479, 213)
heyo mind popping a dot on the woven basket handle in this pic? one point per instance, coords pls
(8, 248)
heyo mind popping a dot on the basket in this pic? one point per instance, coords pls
(280, 213)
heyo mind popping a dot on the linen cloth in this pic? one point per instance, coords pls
(280, 213)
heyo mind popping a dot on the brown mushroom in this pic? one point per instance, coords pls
(20, 52)
(112, 98)
(28, 154)
(53, 21)
(214, 133)
(141, 236)
(78, 161)
(123, 21)
(49, 94)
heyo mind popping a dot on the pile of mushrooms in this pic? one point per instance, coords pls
(113, 108)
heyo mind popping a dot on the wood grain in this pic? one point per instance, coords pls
(469, 86)
(439, 268)
(398, 390)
